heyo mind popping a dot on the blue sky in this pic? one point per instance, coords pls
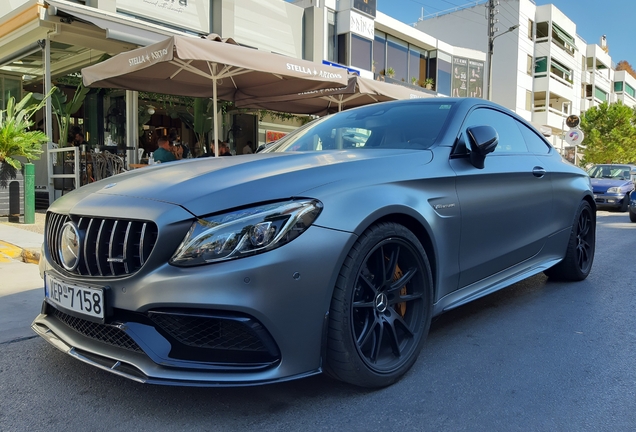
(614, 18)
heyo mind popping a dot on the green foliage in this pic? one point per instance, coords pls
(64, 109)
(15, 137)
(610, 134)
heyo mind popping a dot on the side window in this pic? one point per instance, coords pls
(510, 138)
(535, 143)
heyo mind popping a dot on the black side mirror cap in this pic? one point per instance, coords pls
(483, 140)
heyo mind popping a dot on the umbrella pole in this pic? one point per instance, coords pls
(215, 116)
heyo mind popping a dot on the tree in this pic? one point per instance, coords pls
(610, 134)
(624, 65)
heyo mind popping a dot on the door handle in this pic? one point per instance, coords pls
(538, 172)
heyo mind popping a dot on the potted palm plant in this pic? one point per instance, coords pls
(17, 141)
(429, 83)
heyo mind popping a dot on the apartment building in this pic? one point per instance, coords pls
(542, 69)
(625, 88)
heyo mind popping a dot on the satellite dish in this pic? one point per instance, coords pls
(574, 137)
(572, 121)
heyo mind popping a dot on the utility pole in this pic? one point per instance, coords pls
(491, 29)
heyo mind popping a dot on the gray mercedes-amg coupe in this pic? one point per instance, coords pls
(328, 252)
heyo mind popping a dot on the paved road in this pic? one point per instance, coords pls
(538, 356)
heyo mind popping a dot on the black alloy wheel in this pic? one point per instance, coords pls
(381, 310)
(579, 256)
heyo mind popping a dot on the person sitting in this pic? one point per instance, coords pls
(224, 149)
(164, 152)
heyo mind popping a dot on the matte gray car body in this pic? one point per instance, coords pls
(481, 230)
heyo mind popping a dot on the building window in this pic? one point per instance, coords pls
(543, 30)
(444, 73)
(528, 100)
(332, 37)
(600, 94)
(343, 52)
(618, 86)
(416, 75)
(530, 65)
(558, 69)
(563, 39)
(541, 65)
(530, 29)
(630, 90)
(379, 53)
(361, 52)
(396, 58)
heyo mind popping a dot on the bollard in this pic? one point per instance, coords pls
(29, 193)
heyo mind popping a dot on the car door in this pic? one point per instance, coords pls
(506, 206)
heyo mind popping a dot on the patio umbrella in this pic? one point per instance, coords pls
(358, 91)
(210, 67)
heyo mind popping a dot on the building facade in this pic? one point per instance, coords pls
(543, 69)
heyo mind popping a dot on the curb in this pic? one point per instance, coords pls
(29, 256)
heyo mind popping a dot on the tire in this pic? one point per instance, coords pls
(632, 216)
(381, 308)
(579, 256)
(625, 205)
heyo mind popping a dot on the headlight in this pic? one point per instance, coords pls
(615, 190)
(245, 232)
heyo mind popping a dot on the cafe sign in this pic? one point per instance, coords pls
(186, 14)
(350, 21)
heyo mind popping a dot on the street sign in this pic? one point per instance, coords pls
(572, 121)
(574, 137)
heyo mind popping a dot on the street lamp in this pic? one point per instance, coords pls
(491, 47)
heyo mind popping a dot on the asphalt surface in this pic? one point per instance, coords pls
(537, 356)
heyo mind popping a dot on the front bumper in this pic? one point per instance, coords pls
(279, 299)
(609, 200)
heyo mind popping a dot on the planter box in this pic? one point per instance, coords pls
(11, 194)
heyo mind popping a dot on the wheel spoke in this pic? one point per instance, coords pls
(367, 332)
(389, 271)
(398, 284)
(378, 343)
(405, 298)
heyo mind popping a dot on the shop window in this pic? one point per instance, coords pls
(415, 77)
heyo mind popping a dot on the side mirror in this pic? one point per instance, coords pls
(483, 140)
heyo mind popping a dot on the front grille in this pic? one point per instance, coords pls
(211, 332)
(111, 247)
(101, 332)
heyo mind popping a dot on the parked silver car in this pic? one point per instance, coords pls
(330, 251)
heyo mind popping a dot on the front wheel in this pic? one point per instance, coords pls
(579, 255)
(625, 205)
(381, 308)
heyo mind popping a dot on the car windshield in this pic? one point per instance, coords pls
(616, 172)
(393, 125)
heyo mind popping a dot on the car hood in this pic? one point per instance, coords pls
(601, 184)
(208, 185)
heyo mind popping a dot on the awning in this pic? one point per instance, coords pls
(118, 27)
(561, 68)
(564, 35)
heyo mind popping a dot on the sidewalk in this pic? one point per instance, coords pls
(21, 288)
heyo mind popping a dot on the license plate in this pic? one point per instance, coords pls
(80, 299)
